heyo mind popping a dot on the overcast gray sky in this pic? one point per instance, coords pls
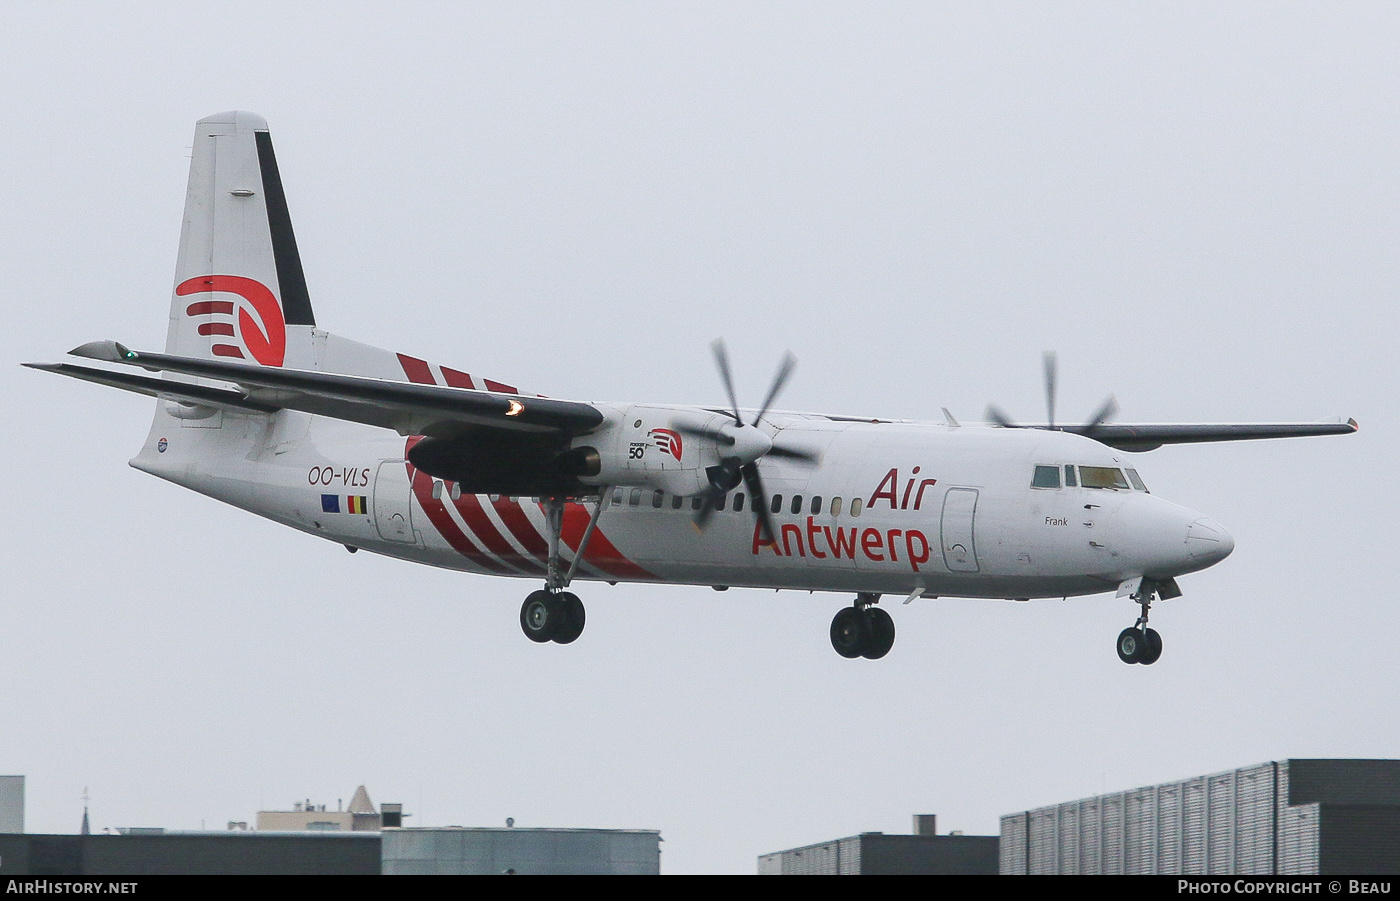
(1197, 204)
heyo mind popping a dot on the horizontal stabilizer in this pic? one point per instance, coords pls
(407, 408)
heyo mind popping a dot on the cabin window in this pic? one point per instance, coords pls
(738, 501)
(816, 505)
(796, 507)
(1046, 477)
(836, 506)
(1069, 477)
(635, 498)
(697, 502)
(617, 497)
(1102, 477)
(656, 497)
(1137, 480)
(719, 501)
(777, 505)
(676, 501)
(855, 506)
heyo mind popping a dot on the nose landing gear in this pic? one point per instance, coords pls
(862, 629)
(1137, 643)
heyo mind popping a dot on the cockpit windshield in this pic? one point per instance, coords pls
(1048, 476)
(1102, 477)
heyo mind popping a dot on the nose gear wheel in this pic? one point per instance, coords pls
(862, 629)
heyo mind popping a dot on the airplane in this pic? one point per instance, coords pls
(260, 408)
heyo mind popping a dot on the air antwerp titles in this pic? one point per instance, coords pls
(906, 546)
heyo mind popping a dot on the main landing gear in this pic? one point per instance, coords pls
(553, 614)
(1137, 643)
(862, 629)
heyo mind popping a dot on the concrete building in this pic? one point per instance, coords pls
(360, 816)
(874, 853)
(11, 804)
(151, 853)
(1287, 817)
(458, 851)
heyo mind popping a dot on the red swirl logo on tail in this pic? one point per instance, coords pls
(261, 329)
(667, 440)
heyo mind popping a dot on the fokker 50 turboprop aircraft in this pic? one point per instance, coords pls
(260, 408)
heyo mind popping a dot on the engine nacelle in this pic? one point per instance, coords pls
(643, 445)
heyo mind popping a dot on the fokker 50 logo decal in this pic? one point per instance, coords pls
(260, 326)
(668, 441)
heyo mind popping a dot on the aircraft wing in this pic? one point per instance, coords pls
(407, 408)
(1151, 437)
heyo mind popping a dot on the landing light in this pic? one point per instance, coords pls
(516, 407)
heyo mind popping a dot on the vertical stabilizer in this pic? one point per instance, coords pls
(239, 289)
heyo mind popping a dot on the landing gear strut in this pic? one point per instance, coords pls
(862, 629)
(1137, 643)
(553, 614)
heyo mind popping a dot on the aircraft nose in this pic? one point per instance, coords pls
(1208, 542)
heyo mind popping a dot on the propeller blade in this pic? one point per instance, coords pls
(780, 378)
(791, 453)
(758, 498)
(1104, 414)
(1051, 378)
(722, 361)
(707, 509)
(716, 435)
(997, 415)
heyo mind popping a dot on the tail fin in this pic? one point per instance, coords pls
(239, 288)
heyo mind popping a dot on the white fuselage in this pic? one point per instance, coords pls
(896, 508)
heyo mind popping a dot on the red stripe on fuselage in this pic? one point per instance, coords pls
(457, 379)
(474, 515)
(601, 553)
(498, 386)
(422, 486)
(515, 519)
(417, 370)
(447, 528)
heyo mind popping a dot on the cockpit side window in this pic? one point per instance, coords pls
(1102, 477)
(1137, 480)
(1069, 477)
(1046, 477)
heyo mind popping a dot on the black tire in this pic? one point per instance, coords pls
(850, 631)
(1131, 645)
(1151, 648)
(880, 633)
(540, 616)
(571, 618)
